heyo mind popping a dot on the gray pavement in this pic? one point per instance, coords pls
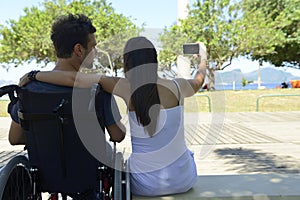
(6, 150)
(224, 143)
(251, 155)
(242, 143)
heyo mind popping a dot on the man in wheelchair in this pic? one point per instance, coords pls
(74, 41)
(61, 124)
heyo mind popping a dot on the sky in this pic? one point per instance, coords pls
(154, 14)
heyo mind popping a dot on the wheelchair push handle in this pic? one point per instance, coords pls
(10, 90)
(95, 90)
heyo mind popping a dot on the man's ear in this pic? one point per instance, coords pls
(78, 50)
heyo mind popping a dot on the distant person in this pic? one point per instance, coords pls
(284, 85)
(205, 87)
(160, 162)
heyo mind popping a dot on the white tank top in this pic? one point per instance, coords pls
(156, 163)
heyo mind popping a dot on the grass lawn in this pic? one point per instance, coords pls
(239, 101)
(3, 108)
(227, 101)
(245, 101)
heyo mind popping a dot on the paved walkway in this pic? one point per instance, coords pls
(224, 143)
(242, 143)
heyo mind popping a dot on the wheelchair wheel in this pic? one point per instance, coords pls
(126, 193)
(118, 177)
(121, 179)
(15, 179)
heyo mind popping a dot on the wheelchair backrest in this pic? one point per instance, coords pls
(53, 141)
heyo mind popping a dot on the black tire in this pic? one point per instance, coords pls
(15, 179)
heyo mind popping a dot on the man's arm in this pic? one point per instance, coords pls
(16, 135)
(112, 117)
(117, 132)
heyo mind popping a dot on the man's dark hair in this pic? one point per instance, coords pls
(68, 30)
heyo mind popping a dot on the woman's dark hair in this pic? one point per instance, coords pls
(140, 66)
(69, 30)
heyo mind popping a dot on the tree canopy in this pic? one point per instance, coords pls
(28, 38)
(263, 30)
(212, 22)
(282, 20)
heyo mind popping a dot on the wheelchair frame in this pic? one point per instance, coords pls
(19, 179)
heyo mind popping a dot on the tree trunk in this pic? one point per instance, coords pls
(211, 79)
(258, 75)
(116, 71)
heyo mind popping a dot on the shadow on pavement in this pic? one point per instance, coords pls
(252, 161)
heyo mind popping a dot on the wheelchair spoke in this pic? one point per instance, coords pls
(18, 185)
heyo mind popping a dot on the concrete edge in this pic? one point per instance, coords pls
(241, 187)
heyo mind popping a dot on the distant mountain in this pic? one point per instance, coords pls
(268, 75)
(228, 77)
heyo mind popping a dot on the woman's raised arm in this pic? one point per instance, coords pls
(190, 86)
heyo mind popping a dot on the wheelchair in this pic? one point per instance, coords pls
(58, 162)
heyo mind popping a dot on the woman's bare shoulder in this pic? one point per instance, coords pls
(184, 86)
(171, 83)
(165, 82)
(168, 93)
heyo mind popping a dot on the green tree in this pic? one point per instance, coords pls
(264, 30)
(214, 23)
(172, 41)
(245, 82)
(278, 35)
(28, 38)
